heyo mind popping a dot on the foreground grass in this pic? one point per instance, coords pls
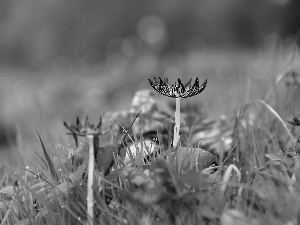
(254, 184)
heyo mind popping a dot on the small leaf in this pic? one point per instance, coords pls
(77, 175)
(105, 157)
(113, 176)
(274, 157)
(59, 189)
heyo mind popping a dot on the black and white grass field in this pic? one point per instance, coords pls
(258, 184)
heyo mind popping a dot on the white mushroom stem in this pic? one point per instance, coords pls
(177, 123)
(90, 193)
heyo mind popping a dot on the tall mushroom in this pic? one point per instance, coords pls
(177, 91)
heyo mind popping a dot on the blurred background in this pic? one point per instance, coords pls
(61, 59)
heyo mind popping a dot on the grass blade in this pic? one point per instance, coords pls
(50, 164)
(42, 159)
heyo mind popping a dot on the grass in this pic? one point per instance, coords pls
(257, 183)
(171, 189)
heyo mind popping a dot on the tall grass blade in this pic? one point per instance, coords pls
(42, 160)
(50, 164)
(5, 218)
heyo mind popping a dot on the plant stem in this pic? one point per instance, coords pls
(90, 192)
(177, 123)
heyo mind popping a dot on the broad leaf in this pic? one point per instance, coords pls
(105, 157)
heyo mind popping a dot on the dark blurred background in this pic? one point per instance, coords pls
(34, 33)
(60, 59)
